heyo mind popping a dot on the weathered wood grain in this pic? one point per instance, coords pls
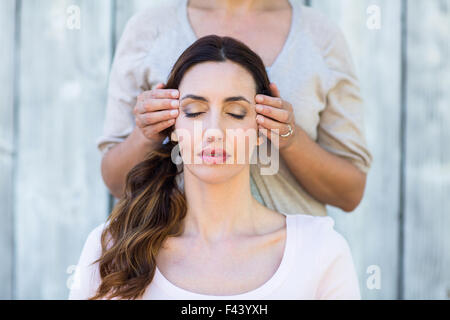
(7, 136)
(372, 229)
(427, 172)
(60, 196)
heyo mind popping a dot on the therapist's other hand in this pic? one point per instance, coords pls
(156, 110)
(275, 113)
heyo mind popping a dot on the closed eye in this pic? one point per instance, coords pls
(237, 116)
(193, 115)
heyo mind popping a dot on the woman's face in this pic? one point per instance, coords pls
(217, 111)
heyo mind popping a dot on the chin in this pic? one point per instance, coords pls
(214, 174)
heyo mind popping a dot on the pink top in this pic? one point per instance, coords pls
(316, 264)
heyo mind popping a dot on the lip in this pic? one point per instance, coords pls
(210, 155)
(213, 152)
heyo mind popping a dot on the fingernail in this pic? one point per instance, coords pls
(174, 94)
(259, 108)
(174, 103)
(174, 112)
(259, 99)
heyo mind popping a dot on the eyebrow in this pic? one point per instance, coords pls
(229, 99)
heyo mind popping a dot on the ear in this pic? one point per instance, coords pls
(173, 136)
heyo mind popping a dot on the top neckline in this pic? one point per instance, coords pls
(192, 37)
(263, 290)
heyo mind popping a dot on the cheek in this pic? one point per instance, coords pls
(244, 142)
(185, 133)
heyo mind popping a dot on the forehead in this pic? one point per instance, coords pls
(218, 79)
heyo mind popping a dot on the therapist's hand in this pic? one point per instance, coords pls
(275, 113)
(153, 111)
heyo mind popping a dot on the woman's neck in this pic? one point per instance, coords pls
(219, 211)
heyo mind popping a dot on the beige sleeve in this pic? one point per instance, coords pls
(341, 126)
(128, 78)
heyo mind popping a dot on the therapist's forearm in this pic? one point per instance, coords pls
(120, 159)
(328, 178)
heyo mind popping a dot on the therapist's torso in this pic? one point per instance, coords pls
(309, 59)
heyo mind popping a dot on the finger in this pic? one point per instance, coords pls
(159, 86)
(152, 105)
(268, 134)
(277, 114)
(154, 129)
(159, 93)
(278, 127)
(151, 118)
(276, 102)
(264, 131)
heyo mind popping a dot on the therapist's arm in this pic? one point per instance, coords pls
(333, 169)
(120, 159)
(328, 178)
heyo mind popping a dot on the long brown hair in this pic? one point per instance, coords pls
(153, 207)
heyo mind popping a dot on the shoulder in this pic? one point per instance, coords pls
(153, 17)
(314, 223)
(87, 277)
(322, 30)
(319, 234)
(317, 23)
(158, 21)
(92, 246)
(96, 232)
(332, 266)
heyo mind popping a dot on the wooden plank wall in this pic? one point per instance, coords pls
(427, 153)
(373, 228)
(59, 193)
(7, 147)
(55, 81)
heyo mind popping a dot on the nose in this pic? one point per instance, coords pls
(212, 138)
(213, 129)
(213, 135)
